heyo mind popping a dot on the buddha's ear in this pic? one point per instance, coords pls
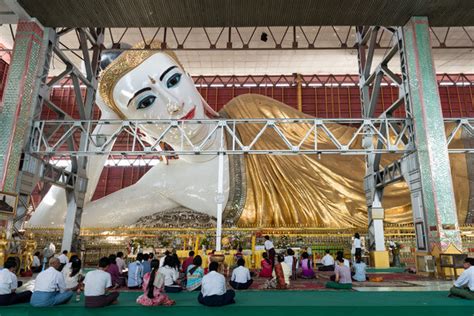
(105, 111)
(208, 109)
(109, 55)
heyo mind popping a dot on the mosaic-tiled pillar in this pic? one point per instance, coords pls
(430, 138)
(19, 96)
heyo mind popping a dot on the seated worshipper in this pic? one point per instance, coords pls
(343, 278)
(187, 262)
(36, 265)
(153, 288)
(73, 274)
(95, 285)
(63, 259)
(306, 267)
(176, 263)
(290, 260)
(239, 254)
(327, 261)
(146, 263)
(68, 264)
(120, 262)
(241, 279)
(18, 262)
(135, 273)
(50, 287)
(171, 275)
(162, 259)
(464, 285)
(113, 270)
(359, 268)
(213, 291)
(194, 275)
(266, 271)
(281, 275)
(340, 255)
(9, 284)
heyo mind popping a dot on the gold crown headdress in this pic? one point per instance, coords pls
(125, 63)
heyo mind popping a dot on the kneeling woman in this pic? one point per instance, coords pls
(153, 288)
(194, 274)
(307, 271)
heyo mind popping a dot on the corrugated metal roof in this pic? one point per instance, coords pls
(213, 13)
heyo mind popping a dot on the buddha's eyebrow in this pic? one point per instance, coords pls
(137, 93)
(166, 71)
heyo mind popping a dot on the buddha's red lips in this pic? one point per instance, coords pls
(189, 115)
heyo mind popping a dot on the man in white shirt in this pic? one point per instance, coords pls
(95, 285)
(270, 249)
(135, 273)
(213, 290)
(120, 262)
(50, 287)
(464, 285)
(241, 279)
(9, 284)
(63, 259)
(36, 266)
(327, 261)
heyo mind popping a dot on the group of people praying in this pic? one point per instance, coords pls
(286, 266)
(63, 277)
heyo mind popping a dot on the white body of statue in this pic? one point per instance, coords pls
(156, 89)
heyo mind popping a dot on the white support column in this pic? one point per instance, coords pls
(220, 200)
(376, 217)
(69, 224)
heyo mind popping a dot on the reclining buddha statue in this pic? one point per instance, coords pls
(260, 190)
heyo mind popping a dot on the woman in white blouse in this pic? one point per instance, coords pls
(171, 275)
(73, 273)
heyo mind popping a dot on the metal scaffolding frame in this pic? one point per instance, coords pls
(33, 169)
(370, 80)
(392, 135)
(250, 38)
(407, 167)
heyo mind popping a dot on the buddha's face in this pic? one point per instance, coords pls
(159, 89)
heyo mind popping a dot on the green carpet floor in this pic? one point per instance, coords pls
(276, 303)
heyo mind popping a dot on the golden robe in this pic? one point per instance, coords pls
(304, 190)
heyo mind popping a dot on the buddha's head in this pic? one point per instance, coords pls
(151, 84)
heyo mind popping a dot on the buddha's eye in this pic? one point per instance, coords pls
(146, 102)
(173, 80)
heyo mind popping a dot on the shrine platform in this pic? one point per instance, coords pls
(273, 302)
